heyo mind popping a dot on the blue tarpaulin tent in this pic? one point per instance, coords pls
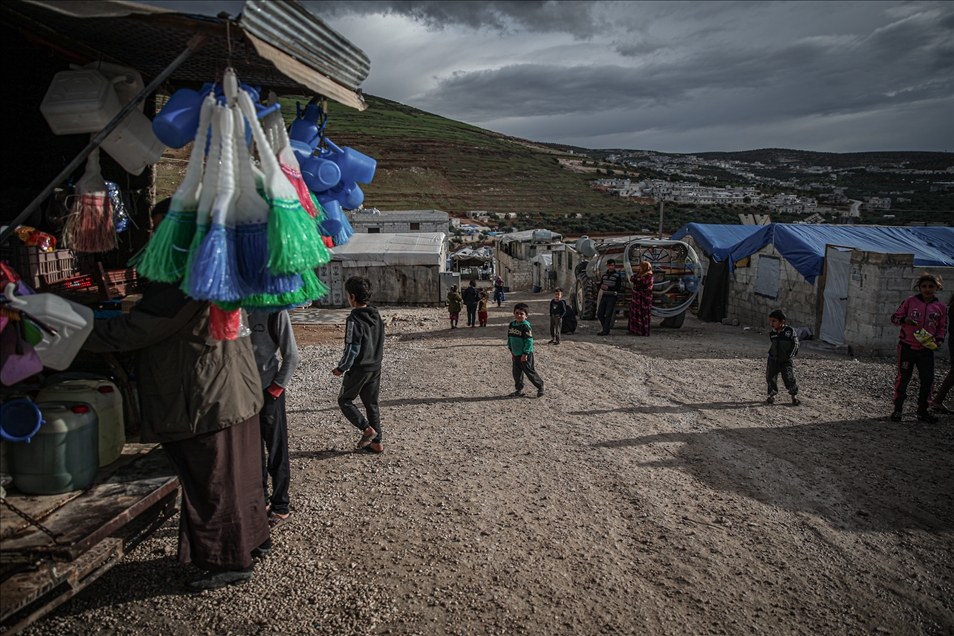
(804, 245)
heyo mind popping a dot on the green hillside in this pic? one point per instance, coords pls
(429, 162)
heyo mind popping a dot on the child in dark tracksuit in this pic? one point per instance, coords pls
(926, 314)
(361, 364)
(520, 343)
(557, 311)
(783, 349)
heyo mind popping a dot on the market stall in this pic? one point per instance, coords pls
(254, 217)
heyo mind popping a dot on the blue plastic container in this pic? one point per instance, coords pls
(319, 174)
(178, 121)
(20, 419)
(355, 166)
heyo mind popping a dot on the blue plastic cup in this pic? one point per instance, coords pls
(178, 122)
(20, 419)
(355, 166)
(319, 174)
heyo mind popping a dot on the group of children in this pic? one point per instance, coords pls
(923, 321)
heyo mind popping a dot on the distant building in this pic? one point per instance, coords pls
(399, 221)
(876, 203)
(515, 253)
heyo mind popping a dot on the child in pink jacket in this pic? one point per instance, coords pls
(921, 311)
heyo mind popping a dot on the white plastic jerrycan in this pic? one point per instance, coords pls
(72, 322)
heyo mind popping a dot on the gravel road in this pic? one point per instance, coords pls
(650, 491)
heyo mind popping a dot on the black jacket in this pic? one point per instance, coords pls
(784, 344)
(471, 296)
(364, 340)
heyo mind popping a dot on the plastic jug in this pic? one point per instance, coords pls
(72, 322)
(79, 101)
(349, 195)
(178, 122)
(306, 128)
(133, 144)
(355, 166)
(63, 455)
(127, 86)
(106, 400)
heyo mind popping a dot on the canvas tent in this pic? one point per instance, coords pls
(839, 281)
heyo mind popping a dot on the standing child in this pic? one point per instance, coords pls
(557, 311)
(499, 290)
(783, 349)
(471, 298)
(520, 343)
(454, 304)
(923, 321)
(272, 335)
(361, 364)
(482, 309)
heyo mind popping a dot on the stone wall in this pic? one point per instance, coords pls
(516, 272)
(796, 297)
(877, 285)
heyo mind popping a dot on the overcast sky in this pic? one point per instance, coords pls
(667, 76)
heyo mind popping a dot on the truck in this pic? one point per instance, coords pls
(676, 268)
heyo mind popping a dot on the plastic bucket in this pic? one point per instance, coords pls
(320, 174)
(20, 419)
(178, 121)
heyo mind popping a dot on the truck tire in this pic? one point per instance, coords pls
(674, 322)
(585, 298)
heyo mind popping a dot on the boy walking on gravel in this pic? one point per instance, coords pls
(783, 349)
(520, 343)
(361, 364)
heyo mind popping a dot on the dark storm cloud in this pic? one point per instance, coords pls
(536, 16)
(910, 60)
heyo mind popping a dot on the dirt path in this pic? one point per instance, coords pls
(651, 491)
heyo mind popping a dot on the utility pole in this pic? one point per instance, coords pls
(660, 218)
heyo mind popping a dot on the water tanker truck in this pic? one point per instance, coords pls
(676, 269)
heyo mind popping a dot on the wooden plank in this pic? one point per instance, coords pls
(20, 590)
(97, 513)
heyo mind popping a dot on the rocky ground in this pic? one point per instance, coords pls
(650, 491)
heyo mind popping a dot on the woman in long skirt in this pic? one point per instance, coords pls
(641, 305)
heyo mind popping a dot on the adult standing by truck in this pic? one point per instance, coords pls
(611, 283)
(200, 398)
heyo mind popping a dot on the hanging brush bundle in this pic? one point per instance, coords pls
(89, 227)
(165, 256)
(294, 244)
(286, 157)
(203, 214)
(215, 272)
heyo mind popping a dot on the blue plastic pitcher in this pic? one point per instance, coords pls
(349, 195)
(178, 121)
(355, 166)
(306, 128)
(319, 174)
(20, 419)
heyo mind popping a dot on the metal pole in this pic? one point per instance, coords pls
(660, 218)
(195, 43)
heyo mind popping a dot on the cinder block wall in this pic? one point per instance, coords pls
(877, 285)
(517, 273)
(797, 298)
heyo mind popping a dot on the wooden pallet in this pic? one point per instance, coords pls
(95, 527)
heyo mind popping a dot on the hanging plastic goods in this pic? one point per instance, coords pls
(69, 322)
(294, 244)
(120, 217)
(85, 101)
(203, 215)
(165, 256)
(309, 125)
(215, 273)
(89, 227)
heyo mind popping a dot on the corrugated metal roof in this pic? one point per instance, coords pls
(293, 29)
(148, 38)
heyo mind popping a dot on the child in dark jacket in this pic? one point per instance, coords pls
(520, 343)
(361, 364)
(923, 322)
(783, 349)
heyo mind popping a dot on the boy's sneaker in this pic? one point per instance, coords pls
(376, 448)
(516, 394)
(770, 399)
(924, 416)
(366, 436)
(896, 416)
(540, 392)
(795, 401)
